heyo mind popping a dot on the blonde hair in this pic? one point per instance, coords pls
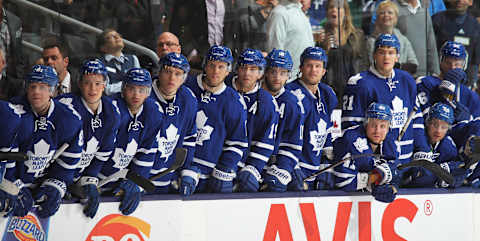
(388, 4)
(347, 27)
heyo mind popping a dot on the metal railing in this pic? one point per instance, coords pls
(66, 19)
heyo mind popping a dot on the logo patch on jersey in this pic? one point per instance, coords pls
(354, 79)
(17, 109)
(399, 113)
(123, 158)
(40, 158)
(42, 124)
(320, 107)
(135, 125)
(318, 137)
(203, 131)
(172, 110)
(207, 97)
(89, 153)
(96, 122)
(361, 144)
(391, 84)
(167, 145)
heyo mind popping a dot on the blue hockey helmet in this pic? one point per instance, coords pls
(44, 74)
(138, 76)
(252, 57)
(441, 111)
(316, 53)
(175, 60)
(280, 58)
(388, 40)
(220, 53)
(94, 66)
(379, 111)
(454, 50)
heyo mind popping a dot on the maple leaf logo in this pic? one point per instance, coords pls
(399, 113)
(88, 153)
(166, 145)
(39, 159)
(361, 144)
(17, 109)
(123, 158)
(203, 131)
(318, 137)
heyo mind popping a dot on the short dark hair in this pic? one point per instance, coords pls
(53, 42)
(101, 38)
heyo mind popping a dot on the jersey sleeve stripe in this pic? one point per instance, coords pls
(204, 163)
(236, 143)
(263, 145)
(293, 146)
(358, 119)
(65, 165)
(143, 163)
(418, 126)
(288, 154)
(234, 149)
(147, 151)
(71, 155)
(258, 156)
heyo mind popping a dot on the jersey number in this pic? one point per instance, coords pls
(273, 131)
(348, 102)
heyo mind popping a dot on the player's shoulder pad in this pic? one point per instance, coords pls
(329, 96)
(13, 111)
(65, 106)
(111, 110)
(354, 80)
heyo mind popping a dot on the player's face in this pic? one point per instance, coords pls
(53, 58)
(170, 79)
(387, 17)
(38, 95)
(436, 130)
(216, 72)
(450, 63)
(275, 78)
(385, 58)
(312, 71)
(248, 75)
(377, 130)
(135, 95)
(113, 42)
(92, 86)
(167, 43)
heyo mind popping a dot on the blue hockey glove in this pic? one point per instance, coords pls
(221, 180)
(459, 174)
(249, 179)
(325, 181)
(277, 179)
(476, 183)
(189, 180)
(24, 202)
(386, 170)
(421, 155)
(131, 196)
(384, 193)
(297, 180)
(8, 203)
(49, 197)
(461, 112)
(89, 188)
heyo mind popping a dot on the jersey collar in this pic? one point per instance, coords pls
(159, 95)
(99, 110)
(199, 83)
(375, 72)
(308, 90)
(254, 90)
(50, 109)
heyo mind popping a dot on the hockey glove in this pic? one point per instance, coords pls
(325, 181)
(131, 196)
(24, 202)
(8, 203)
(297, 180)
(459, 174)
(49, 197)
(476, 183)
(384, 193)
(461, 112)
(277, 179)
(89, 188)
(189, 180)
(420, 155)
(221, 180)
(385, 170)
(249, 179)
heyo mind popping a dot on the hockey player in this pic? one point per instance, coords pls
(317, 101)
(221, 128)
(180, 107)
(363, 171)
(262, 118)
(8, 143)
(48, 127)
(396, 88)
(288, 142)
(449, 86)
(136, 141)
(438, 122)
(100, 125)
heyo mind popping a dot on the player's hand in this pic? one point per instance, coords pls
(249, 179)
(297, 183)
(384, 193)
(189, 180)
(221, 180)
(131, 196)
(49, 197)
(277, 179)
(93, 200)
(24, 202)
(8, 203)
(325, 181)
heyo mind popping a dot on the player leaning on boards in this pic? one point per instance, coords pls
(317, 101)
(393, 87)
(377, 174)
(179, 105)
(288, 142)
(100, 126)
(136, 141)
(47, 125)
(221, 127)
(262, 119)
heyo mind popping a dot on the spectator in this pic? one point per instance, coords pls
(55, 54)
(110, 44)
(411, 22)
(166, 43)
(456, 24)
(387, 19)
(135, 21)
(347, 53)
(7, 89)
(288, 28)
(252, 17)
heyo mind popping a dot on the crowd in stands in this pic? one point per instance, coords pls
(240, 101)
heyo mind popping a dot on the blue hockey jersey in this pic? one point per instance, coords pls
(399, 92)
(262, 123)
(221, 128)
(10, 123)
(353, 174)
(180, 131)
(41, 136)
(99, 132)
(429, 94)
(316, 109)
(136, 141)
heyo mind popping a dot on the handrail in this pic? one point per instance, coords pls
(32, 46)
(66, 19)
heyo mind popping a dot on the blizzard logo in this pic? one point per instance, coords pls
(116, 227)
(26, 228)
